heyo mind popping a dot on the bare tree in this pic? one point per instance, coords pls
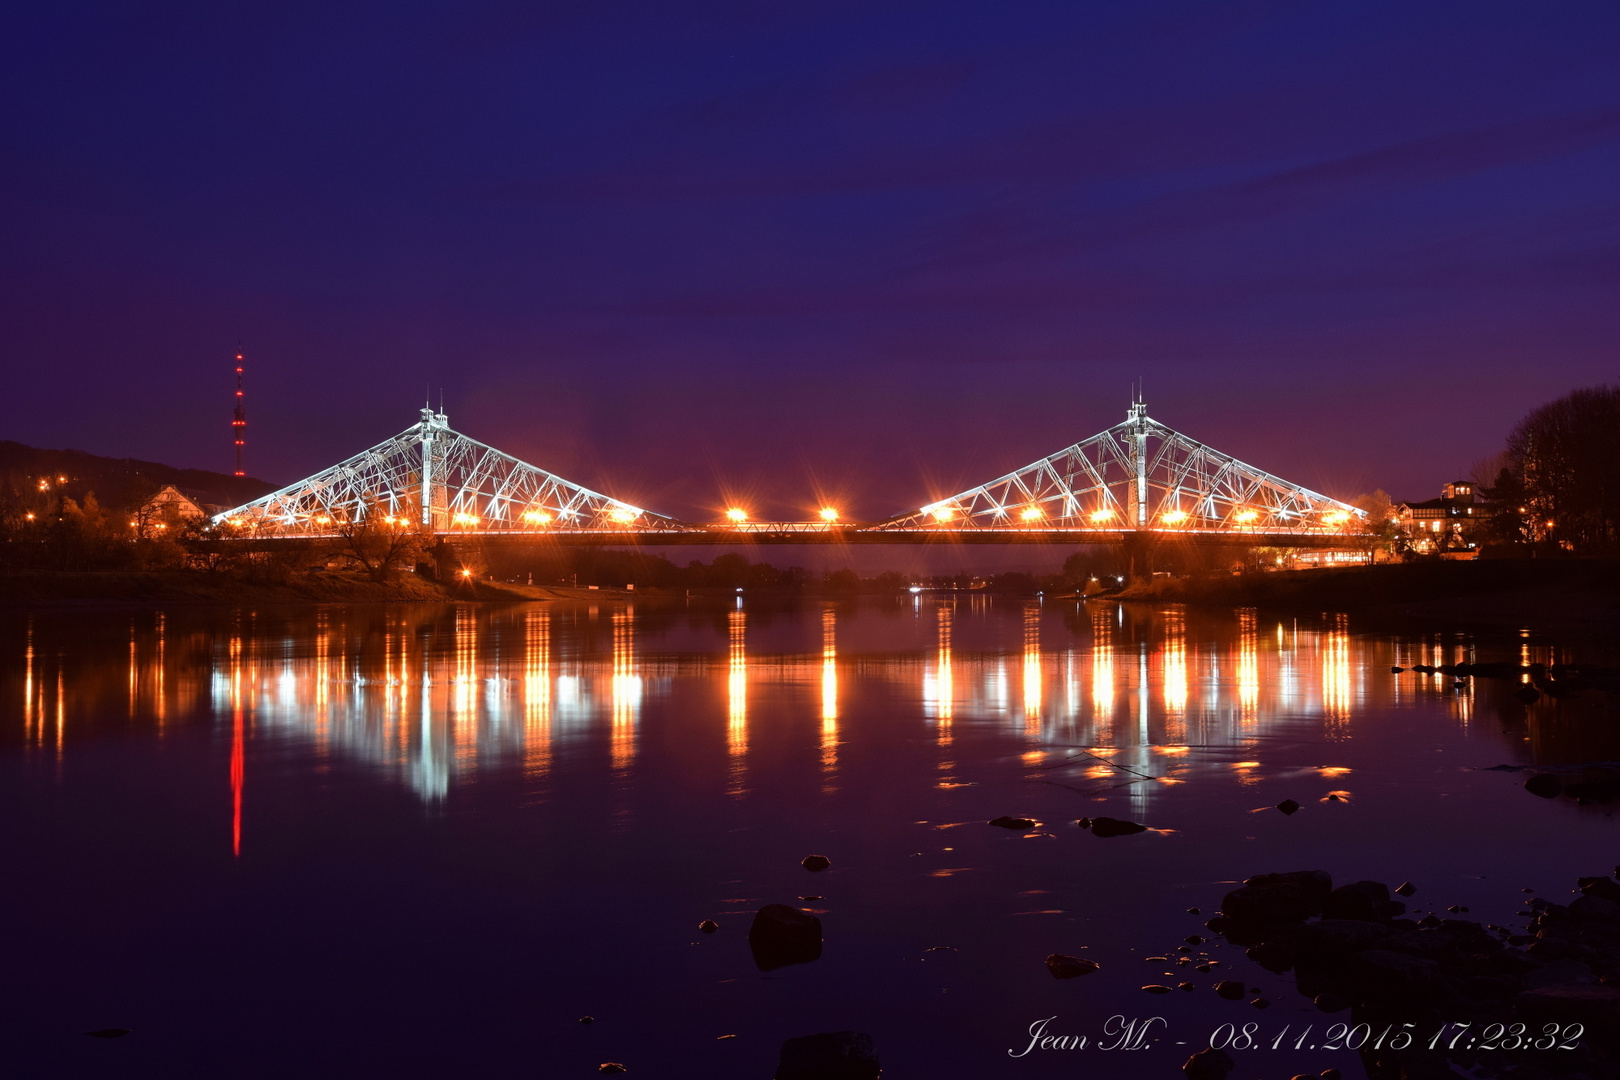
(379, 537)
(1383, 529)
(1566, 455)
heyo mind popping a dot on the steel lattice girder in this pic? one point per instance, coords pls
(470, 488)
(1139, 475)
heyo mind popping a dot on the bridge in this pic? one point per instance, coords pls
(1138, 481)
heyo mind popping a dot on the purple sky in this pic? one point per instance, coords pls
(691, 253)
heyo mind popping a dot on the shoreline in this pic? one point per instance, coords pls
(1562, 596)
(57, 590)
(1570, 596)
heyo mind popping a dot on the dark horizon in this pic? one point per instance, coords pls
(833, 253)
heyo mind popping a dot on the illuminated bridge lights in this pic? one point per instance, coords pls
(1137, 475)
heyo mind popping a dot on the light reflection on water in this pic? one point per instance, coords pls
(350, 775)
(431, 700)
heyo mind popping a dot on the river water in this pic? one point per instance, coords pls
(427, 841)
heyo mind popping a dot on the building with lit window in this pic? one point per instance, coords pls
(170, 502)
(1447, 525)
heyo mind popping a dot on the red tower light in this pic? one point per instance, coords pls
(239, 424)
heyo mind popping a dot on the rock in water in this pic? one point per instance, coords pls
(1365, 900)
(1208, 1065)
(611, 1067)
(1545, 785)
(1230, 989)
(1274, 956)
(1405, 888)
(1069, 967)
(816, 862)
(1005, 822)
(708, 926)
(1288, 806)
(782, 935)
(1107, 826)
(1156, 988)
(1277, 898)
(831, 1055)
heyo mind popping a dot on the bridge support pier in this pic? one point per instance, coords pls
(1137, 548)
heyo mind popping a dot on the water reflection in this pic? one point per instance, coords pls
(939, 688)
(737, 699)
(536, 693)
(431, 696)
(829, 690)
(1248, 666)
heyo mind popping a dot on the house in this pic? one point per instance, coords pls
(169, 504)
(1447, 525)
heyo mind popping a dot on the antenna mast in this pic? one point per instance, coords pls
(239, 424)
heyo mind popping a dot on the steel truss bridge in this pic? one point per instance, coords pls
(1137, 481)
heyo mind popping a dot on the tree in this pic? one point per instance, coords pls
(1383, 528)
(1505, 508)
(379, 538)
(1566, 454)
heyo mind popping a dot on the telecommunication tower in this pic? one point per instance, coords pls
(239, 424)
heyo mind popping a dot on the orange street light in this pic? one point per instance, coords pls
(737, 513)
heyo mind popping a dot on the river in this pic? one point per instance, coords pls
(427, 841)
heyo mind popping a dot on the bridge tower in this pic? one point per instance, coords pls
(1137, 434)
(432, 494)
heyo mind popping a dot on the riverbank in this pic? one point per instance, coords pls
(1563, 595)
(93, 588)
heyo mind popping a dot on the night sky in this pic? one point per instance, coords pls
(771, 252)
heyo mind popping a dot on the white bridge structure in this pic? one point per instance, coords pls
(1137, 480)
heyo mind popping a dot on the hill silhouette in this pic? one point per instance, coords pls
(118, 483)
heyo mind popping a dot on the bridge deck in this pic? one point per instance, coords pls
(806, 533)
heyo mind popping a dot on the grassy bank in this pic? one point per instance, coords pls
(1552, 594)
(142, 588)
